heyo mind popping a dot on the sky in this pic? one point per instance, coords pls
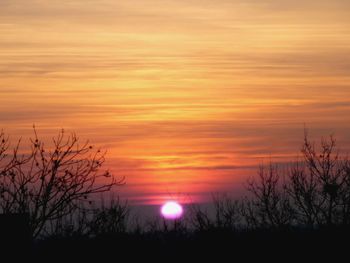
(188, 97)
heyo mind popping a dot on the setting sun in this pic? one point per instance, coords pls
(172, 210)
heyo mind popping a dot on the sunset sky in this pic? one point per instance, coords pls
(187, 96)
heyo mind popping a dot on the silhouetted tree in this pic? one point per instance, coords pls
(75, 224)
(314, 192)
(270, 204)
(227, 212)
(109, 220)
(48, 183)
(226, 215)
(319, 186)
(199, 218)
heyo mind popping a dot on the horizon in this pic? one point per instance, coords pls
(187, 97)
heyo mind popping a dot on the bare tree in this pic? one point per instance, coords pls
(109, 220)
(227, 212)
(199, 218)
(75, 224)
(304, 195)
(315, 191)
(270, 204)
(48, 183)
(319, 186)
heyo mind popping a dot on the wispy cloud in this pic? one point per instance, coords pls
(187, 95)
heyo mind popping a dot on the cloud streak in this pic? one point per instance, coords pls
(186, 95)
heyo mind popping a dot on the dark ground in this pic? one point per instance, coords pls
(330, 245)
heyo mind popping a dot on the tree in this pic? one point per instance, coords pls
(270, 205)
(49, 183)
(320, 185)
(109, 220)
(315, 192)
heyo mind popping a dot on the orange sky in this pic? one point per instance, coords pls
(187, 96)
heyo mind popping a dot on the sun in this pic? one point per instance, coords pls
(171, 210)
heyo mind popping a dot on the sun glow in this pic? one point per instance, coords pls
(172, 210)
